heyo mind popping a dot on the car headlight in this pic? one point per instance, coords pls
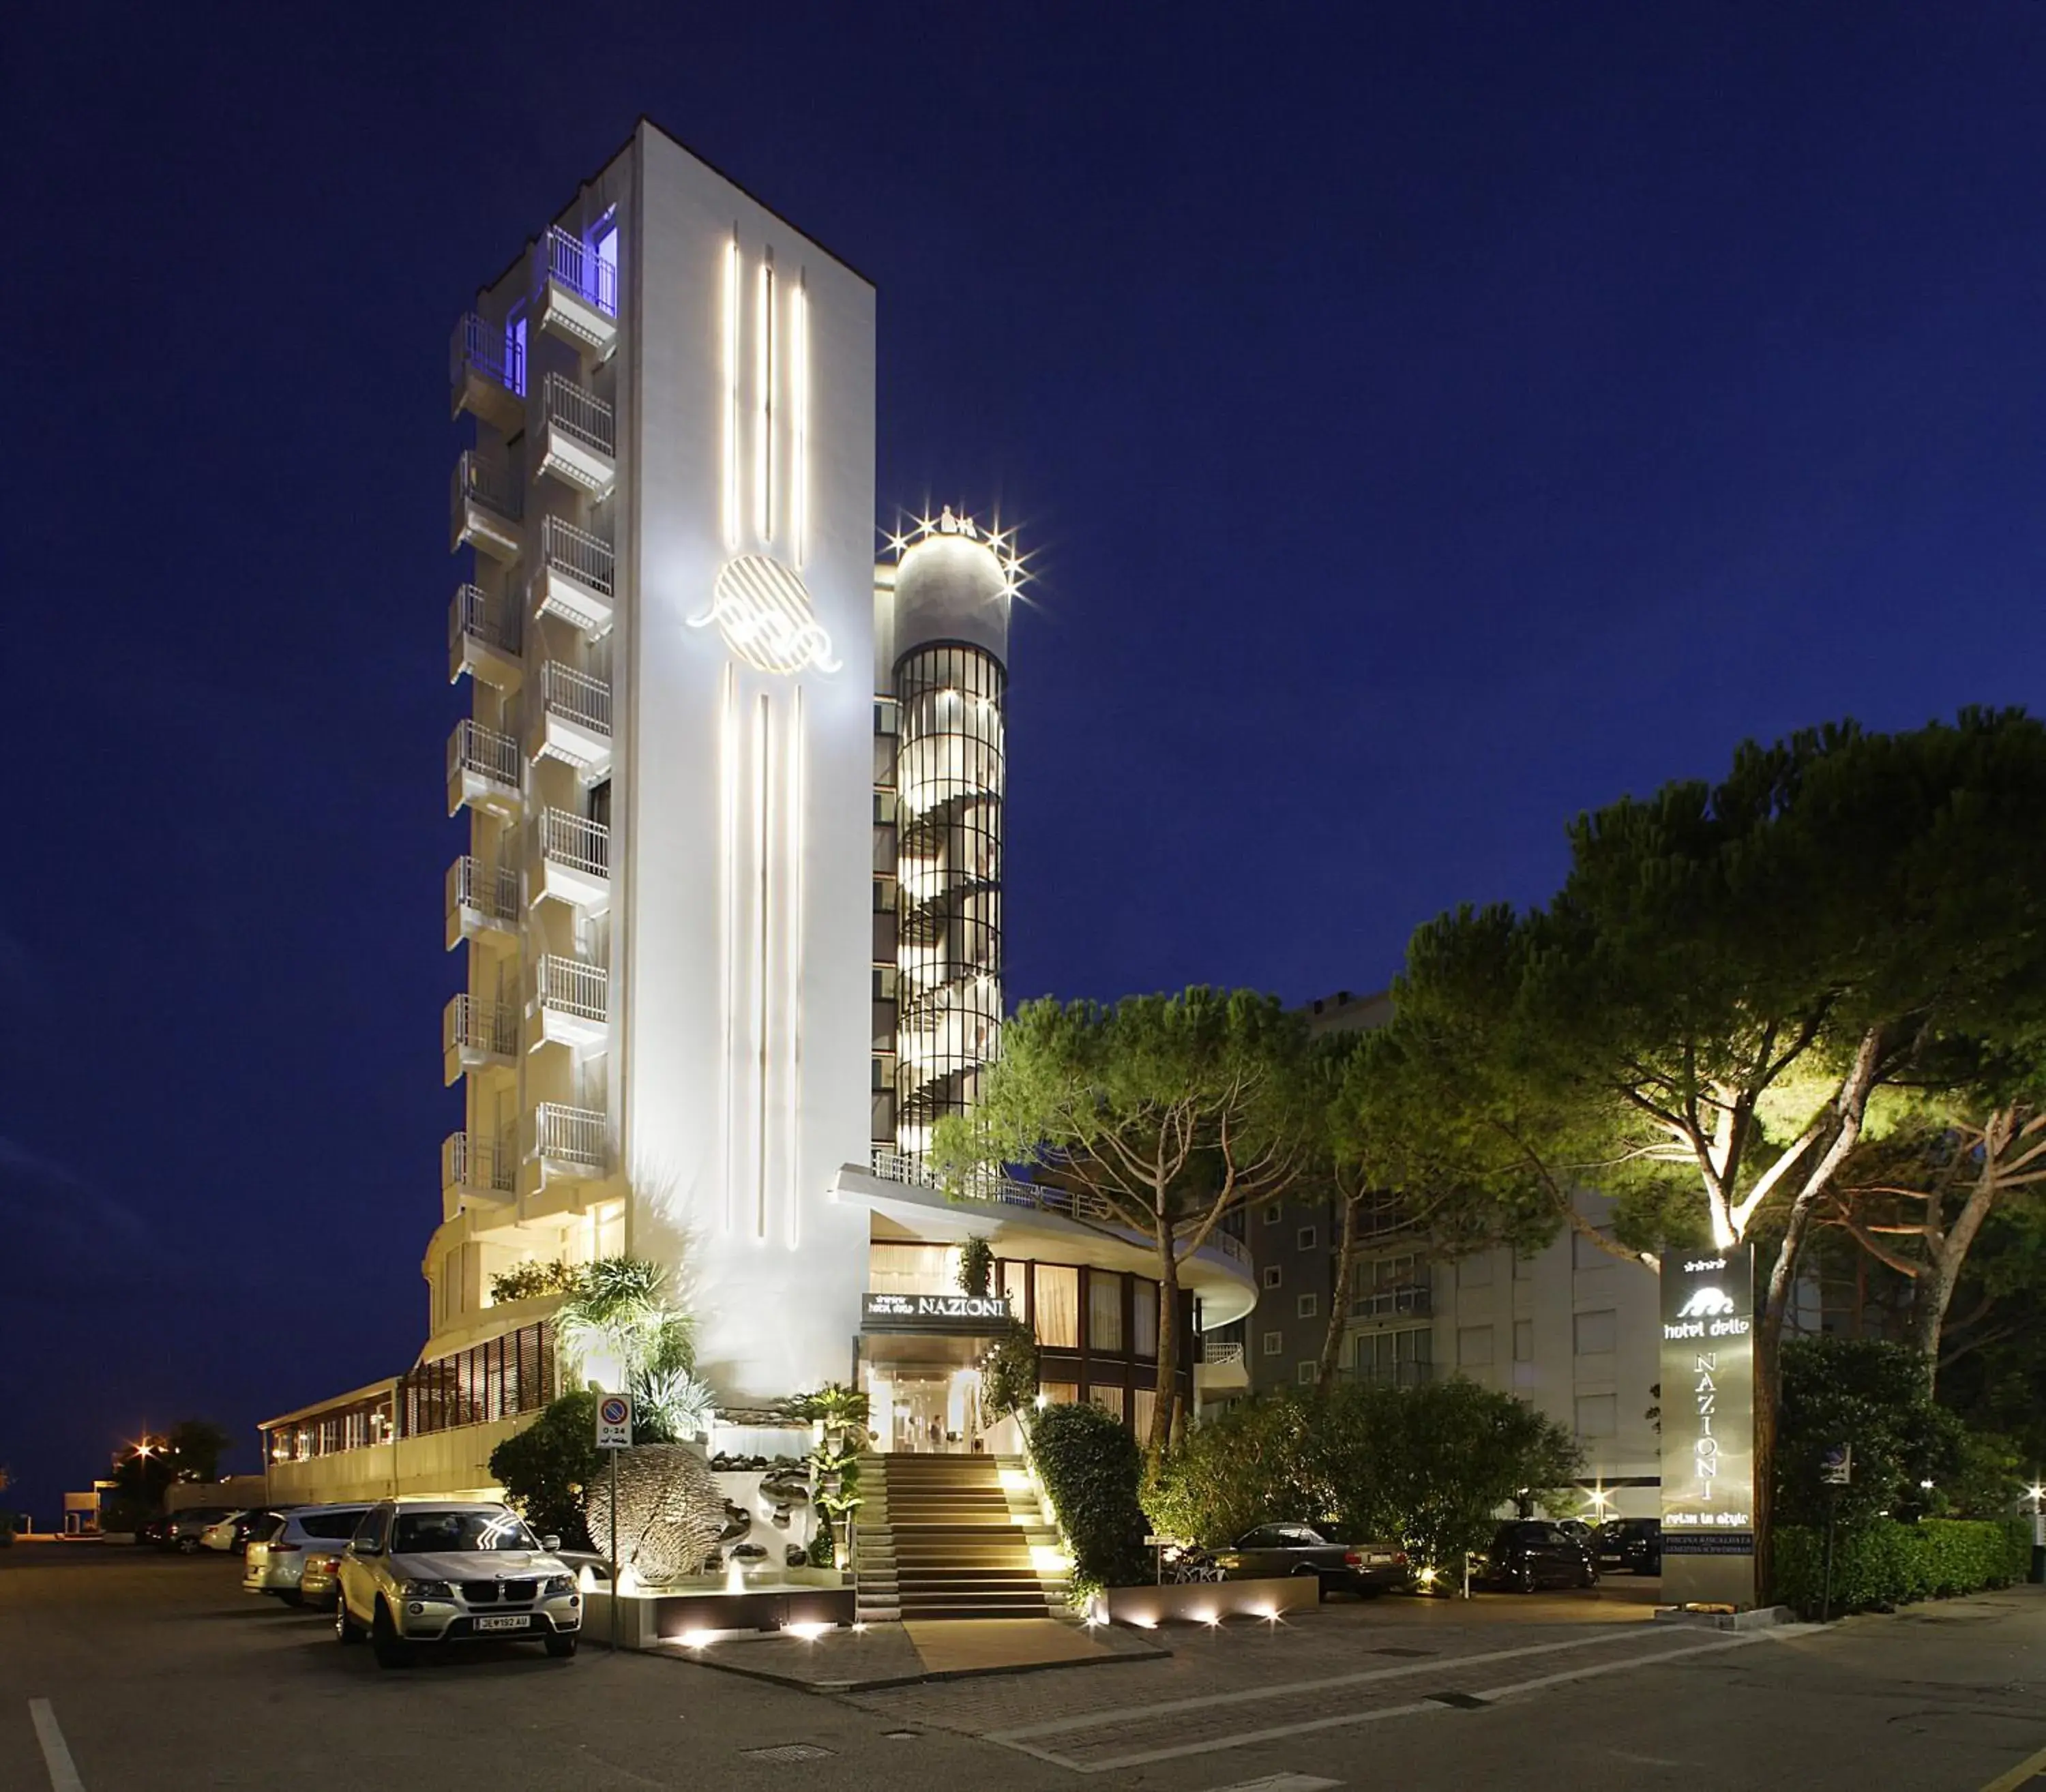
(425, 1589)
(556, 1585)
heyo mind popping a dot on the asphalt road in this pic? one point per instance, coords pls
(121, 1669)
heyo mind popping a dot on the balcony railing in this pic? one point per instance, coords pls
(899, 1166)
(585, 557)
(489, 623)
(572, 264)
(576, 697)
(482, 347)
(490, 891)
(579, 415)
(570, 839)
(477, 752)
(471, 1162)
(470, 1024)
(1416, 1300)
(1215, 1352)
(480, 479)
(569, 986)
(571, 1135)
(1388, 1374)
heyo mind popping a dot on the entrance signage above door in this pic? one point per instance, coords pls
(933, 1312)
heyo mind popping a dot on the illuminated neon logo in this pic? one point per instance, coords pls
(1708, 1303)
(762, 608)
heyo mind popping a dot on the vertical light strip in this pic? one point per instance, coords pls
(762, 788)
(727, 829)
(799, 359)
(764, 421)
(793, 878)
(732, 450)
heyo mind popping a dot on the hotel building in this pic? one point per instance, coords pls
(725, 907)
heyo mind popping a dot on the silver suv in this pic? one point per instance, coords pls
(449, 1571)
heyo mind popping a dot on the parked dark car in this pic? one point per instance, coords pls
(154, 1532)
(1528, 1553)
(183, 1530)
(1361, 1568)
(1635, 1544)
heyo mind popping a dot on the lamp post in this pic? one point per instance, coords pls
(2037, 1492)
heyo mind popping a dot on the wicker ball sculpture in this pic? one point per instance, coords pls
(670, 1512)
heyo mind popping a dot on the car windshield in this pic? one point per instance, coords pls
(427, 1533)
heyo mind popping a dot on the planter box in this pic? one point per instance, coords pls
(646, 1619)
(1205, 1602)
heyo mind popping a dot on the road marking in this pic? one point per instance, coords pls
(57, 1755)
(2023, 1774)
(1170, 1708)
(1349, 1719)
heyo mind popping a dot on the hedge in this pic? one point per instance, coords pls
(1883, 1563)
(1091, 1467)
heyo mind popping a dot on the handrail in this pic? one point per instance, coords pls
(581, 414)
(492, 351)
(482, 478)
(570, 1134)
(567, 261)
(473, 748)
(573, 987)
(1413, 1298)
(575, 696)
(470, 1022)
(572, 840)
(578, 553)
(470, 1162)
(491, 891)
(475, 615)
(1216, 1352)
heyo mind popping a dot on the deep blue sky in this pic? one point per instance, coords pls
(1431, 419)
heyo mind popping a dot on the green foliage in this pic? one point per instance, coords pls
(544, 1469)
(1428, 1466)
(527, 1281)
(842, 1412)
(617, 1310)
(1883, 1563)
(976, 1270)
(1008, 1373)
(190, 1451)
(1091, 1467)
(1870, 1394)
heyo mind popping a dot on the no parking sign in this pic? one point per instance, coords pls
(613, 1422)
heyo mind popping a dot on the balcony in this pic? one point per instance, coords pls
(572, 721)
(571, 1143)
(475, 1172)
(484, 634)
(575, 290)
(1415, 1300)
(482, 901)
(487, 372)
(578, 441)
(572, 1002)
(477, 1035)
(485, 508)
(578, 579)
(574, 860)
(485, 769)
(1220, 1368)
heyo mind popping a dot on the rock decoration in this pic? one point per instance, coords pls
(670, 1512)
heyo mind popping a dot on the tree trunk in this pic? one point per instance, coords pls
(1338, 1297)
(1932, 1291)
(1162, 1408)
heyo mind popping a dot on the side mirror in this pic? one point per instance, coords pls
(362, 1549)
(550, 1543)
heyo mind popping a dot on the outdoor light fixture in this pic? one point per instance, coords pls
(809, 1632)
(694, 1639)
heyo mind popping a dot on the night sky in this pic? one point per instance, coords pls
(1428, 421)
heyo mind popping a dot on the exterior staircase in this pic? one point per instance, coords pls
(951, 1537)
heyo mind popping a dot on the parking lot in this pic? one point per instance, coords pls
(155, 1671)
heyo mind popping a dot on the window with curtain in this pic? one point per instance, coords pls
(1144, 1317)
(1104, 1311)
(1109, 1399)
(1146, 1403)
(1013, 1276)
(1058, 1307)
(1059, 1394)
(913, 1268)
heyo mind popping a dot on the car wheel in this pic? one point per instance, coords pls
(188, 1546)
(561, 1648)
(390, 1648)
(346, 1628)
(1589, 1578)
(1523, 1577)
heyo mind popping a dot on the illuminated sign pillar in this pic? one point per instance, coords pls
(1708, 1427)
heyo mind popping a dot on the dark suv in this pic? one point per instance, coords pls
(1528, 1553)
(1635, 1544)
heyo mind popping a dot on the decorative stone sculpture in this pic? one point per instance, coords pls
(670, 1512)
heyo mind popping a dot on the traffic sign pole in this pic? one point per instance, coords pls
(614, 1433)
(611, 1604)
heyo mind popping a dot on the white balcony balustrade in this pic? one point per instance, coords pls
(483, 635)
(575, 289)
(482, 901)
(573, 1143)
(578, 437)
(476, 1172)
(487, 372)
(485, 507)
(572, 721)
(573, 860)
(477, 1034)
(485, 770)
(578, 577)
(571, 1002)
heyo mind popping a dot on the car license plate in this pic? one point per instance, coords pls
(503, 1623)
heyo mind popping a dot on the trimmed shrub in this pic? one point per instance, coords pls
(1881, 1564)
(546, 1469)
(1090, 1466)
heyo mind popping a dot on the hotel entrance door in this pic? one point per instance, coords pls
(924, 1410)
